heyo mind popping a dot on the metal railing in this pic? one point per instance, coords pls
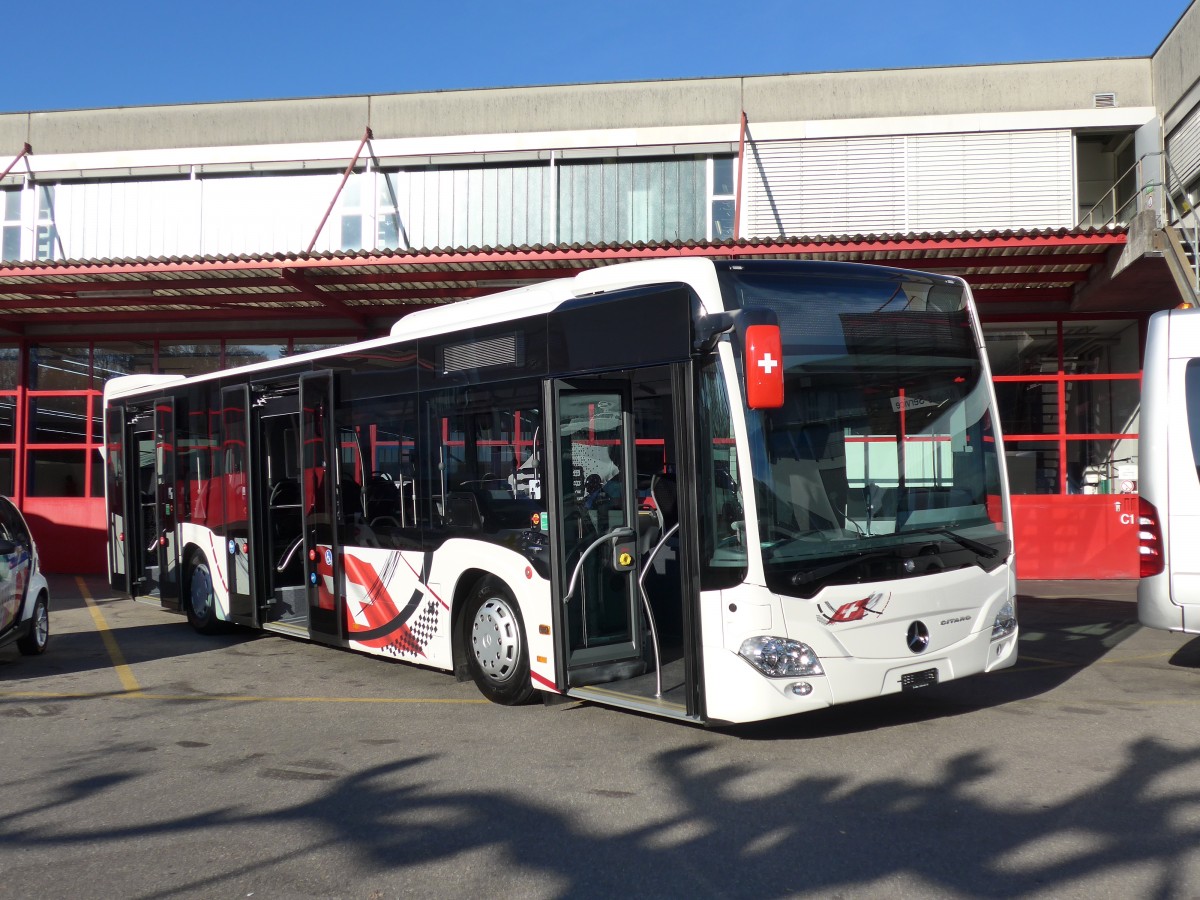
(1152, 185)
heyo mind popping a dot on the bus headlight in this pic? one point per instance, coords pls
(778, 657)
(1005, 622)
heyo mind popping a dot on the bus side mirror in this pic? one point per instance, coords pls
(762, 350)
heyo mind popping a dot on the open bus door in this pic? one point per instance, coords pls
(295, 464)
(319, 482)
(238, 505)
(120, 502)
(593, 527)
(165, 533)
(622, 554)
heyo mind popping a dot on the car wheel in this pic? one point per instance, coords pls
(39, 635)
(201, 600)
(494, 641)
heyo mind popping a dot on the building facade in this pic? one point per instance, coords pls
(188, 238)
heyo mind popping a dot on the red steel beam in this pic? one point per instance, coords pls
(331, 301)
(1022, 295)
(1027, 278)
(81, 288)
(183, 315)
(25, 151)
(999, 262)
(338, 192)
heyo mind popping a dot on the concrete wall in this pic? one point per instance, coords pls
(1176, 70)
(821, 96)
(947, 91)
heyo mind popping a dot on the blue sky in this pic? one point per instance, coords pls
(124, 53)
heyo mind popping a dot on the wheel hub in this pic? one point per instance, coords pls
(495, 640)
(201, 593)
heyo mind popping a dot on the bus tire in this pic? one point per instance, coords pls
(495, 645)
(201, 599)
(34, 643)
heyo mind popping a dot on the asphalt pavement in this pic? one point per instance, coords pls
(144, 760)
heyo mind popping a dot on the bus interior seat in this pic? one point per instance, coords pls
(654, 521)
(350, 495)
(383, 496)
(462, 511)
(285, 493)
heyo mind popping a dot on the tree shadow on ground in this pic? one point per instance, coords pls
(816, 835)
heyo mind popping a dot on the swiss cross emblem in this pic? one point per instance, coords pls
(764, 367)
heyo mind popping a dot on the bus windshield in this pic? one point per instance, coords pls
(882, 462)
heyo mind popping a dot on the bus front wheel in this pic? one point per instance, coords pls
(201, 599)
(494, 637)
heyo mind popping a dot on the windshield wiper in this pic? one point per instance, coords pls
(804, 576)
(974, 546)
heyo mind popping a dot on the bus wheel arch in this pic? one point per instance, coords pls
(493, 642)
(199, 592)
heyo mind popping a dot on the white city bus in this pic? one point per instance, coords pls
(711, 491)
(1168, 473)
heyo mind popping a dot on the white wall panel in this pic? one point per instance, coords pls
(118, 219)
(268, 214)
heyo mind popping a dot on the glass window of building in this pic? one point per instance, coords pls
(352, 214)
(10, 367)
(58, 419)
(1068, 394)
(7, 478)
(257, 352)
(389, 227)
(10, 224)
(113, 358)
(59, 367)
(307, 345)
(724, 205)
(631, 200)
(49, 246)
(8, 418)
(55, 473)
(191, 358)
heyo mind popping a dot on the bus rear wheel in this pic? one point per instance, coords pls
(495, 645)
(201, 599)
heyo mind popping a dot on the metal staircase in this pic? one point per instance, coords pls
(1151, 185)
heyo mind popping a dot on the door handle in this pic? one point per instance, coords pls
(616, 534)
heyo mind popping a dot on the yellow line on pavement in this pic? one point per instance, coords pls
(227, 698)
(1128, 659)
(124, 673)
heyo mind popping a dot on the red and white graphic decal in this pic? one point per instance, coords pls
(374, 618)
(854, 611)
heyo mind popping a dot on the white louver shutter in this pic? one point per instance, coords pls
(827, 186)
(1183, 148)
(905, 184)
(991, 180)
